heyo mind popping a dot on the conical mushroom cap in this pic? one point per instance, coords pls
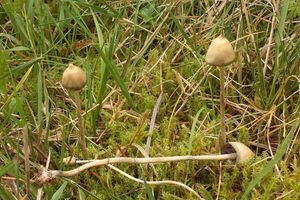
(73, 78)
(220, 52)
(242, 151)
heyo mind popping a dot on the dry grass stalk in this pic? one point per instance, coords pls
(26, 158)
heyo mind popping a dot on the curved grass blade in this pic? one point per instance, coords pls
(112, 68)
(19, 69)
(18, 87)
(108, 11)
(58, 194)
(278, 156)
(193, 131)
(6, 168)
(4, 194)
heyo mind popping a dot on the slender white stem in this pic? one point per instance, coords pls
(82, 141)
(97, 163)
(45, 175)
(155, 182)
(222, 136)
(152, 123)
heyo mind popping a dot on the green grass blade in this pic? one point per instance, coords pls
(4, 194)
(193, 131)
(87, 192)
(283, 15)
(6, 168)
(182, 31)
(103, 71)
(18, 87)
(279, 49)
(17, 70)
(112, 68)
(147, 188)
(205, 194)
(4, 56)
(19, 48)
(109, 11)
(40, 102)
(81, 194)
(261, 78)
(59, 193)
(281, 150)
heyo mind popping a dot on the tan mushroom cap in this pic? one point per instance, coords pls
(243, 153)
(73, 78)
(220, 52)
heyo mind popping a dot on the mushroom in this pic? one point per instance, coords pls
(243, 153)
(220, 53)
(74, 79)
(235, 151)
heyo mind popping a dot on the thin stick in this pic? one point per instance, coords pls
(220, 180)
(155, 182)
(222, 136)
(46, 176)
(26, 158)
(80, 123)
(152, 123)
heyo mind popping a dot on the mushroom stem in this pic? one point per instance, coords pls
(222, 136)
(80, 122)
(95, 163)
(46, 176)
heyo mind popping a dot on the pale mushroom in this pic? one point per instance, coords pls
(235, 151)
(220, 53)
(74, 79)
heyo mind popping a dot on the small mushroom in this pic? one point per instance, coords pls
(243, 153)
(220, 53)
(74, 79)
(235, 151)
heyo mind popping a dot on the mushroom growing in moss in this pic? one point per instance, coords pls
(235, 151)
(220, 53)
(74, 79)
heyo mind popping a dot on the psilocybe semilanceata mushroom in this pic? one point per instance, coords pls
(220, 53)
(74, 79)
(235, 151)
